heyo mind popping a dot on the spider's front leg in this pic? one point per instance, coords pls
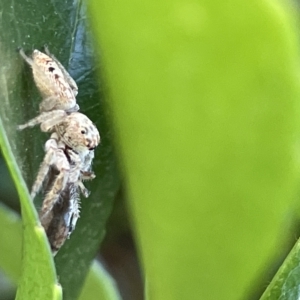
(50, 103)
(25, 57)
(59, 183)
(46, 119)
(49, 159)
(87, 175)
(76, 170)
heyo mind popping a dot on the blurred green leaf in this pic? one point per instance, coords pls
(11, 243)
(38, 276)
(205, 102)
(61, 25)
(99, 285)
(98, 282)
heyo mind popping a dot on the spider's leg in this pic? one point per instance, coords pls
(88, 161)
(55, 102)
(58, 186)
(49, 159)
(73, 109)
(48, 119)
(87, 175)
(56, 117)
(27, 58)
(48, 103)
(75, 165)
(74, 209)
(85, 192)
(75, 174)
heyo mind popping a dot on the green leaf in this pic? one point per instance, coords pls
(11, 243)
(285, 284)
(205, 103)
(38, 277)
(98, 282)
(61, 25)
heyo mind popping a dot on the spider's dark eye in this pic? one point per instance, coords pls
(83, 131)
(51, 69)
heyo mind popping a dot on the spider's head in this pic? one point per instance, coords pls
(80, 133)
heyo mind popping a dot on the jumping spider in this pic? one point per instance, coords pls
(69, 151)
(58, 89)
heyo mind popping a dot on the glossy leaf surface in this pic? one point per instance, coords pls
(205, 99)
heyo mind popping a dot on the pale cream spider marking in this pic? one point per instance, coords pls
(70, 151)
(57, 87)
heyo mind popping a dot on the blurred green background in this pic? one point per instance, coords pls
(197, 103)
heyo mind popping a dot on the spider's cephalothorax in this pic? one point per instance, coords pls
(78, 132)
(69, 150)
